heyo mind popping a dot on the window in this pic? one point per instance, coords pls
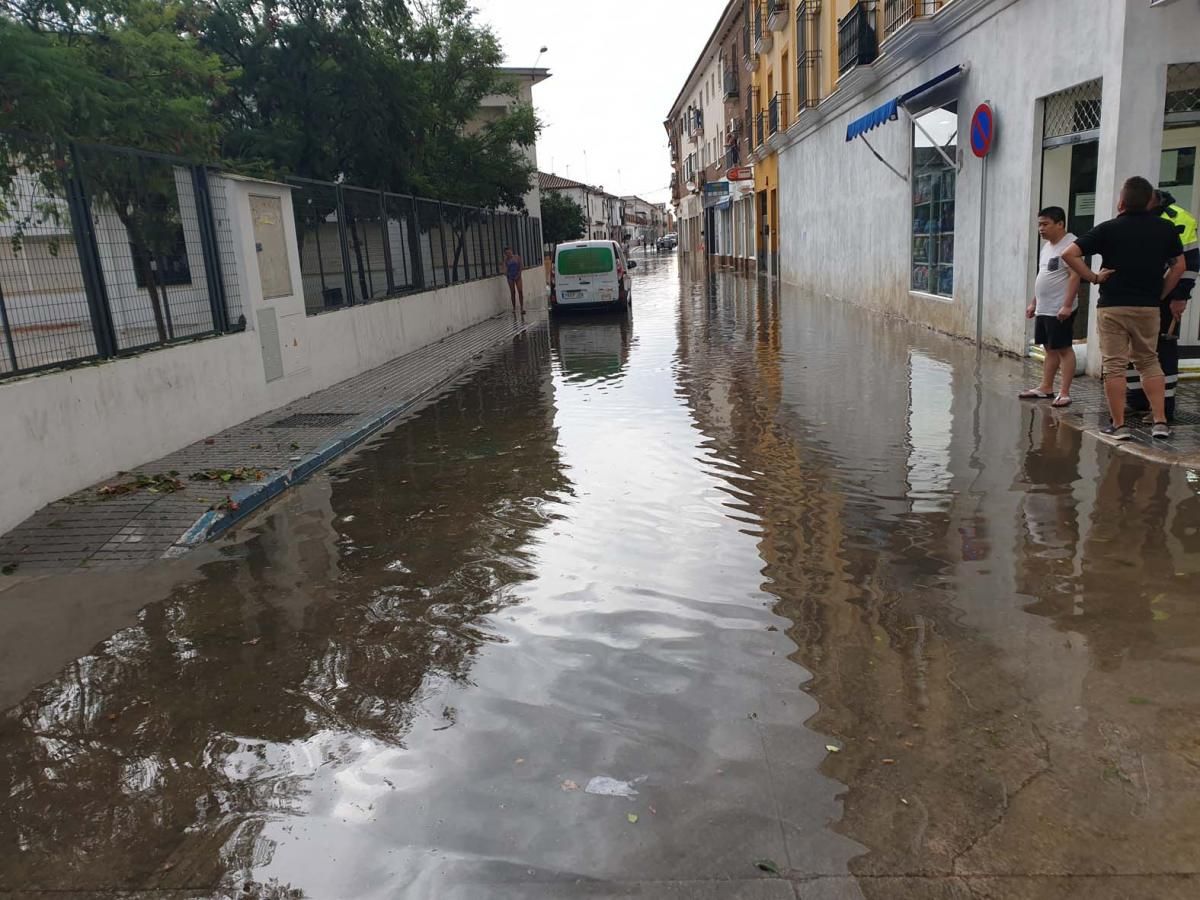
(933, 187)
(585, 261)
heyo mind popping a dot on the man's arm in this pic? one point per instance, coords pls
(1068, 305)
(1174, 273)
(1073, 257)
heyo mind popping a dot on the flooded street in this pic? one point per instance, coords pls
(744, 595)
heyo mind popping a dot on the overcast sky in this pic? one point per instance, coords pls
(616, 68)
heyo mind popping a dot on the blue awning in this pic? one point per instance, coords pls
(946, 78)
(873, 119)
(888, 111)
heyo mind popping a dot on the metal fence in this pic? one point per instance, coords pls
(359, 245)
(107, 251)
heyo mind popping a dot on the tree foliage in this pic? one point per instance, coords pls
(562, 218)
(380, 93)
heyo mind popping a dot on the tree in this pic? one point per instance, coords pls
(562, 218)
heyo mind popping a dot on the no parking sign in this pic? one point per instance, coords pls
(983, 130)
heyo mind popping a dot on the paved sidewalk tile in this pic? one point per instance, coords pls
(91, 529)
(1089, 410)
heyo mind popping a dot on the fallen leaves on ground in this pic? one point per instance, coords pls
(632, 817)
(155, 484)
(241, 473)
(767, 865)
(569, 785)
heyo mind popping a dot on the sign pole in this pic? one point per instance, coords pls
(983, 134)
(982, 254)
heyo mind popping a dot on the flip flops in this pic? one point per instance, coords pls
(1061, 402)
(1034, 394)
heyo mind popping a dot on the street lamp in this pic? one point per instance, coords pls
(539, 57)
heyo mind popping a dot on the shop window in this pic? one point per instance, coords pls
(934, 181)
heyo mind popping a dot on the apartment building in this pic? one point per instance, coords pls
(603, 212)
(704, 128)
(865, 170)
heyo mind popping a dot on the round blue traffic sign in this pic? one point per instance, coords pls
(983, 130)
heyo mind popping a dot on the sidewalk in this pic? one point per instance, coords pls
(124, 522)
(1089, 412)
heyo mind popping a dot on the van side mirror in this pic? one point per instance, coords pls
(633, 264)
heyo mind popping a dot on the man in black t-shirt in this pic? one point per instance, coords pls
(1143, 262)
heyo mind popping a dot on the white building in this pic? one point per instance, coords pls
(603, 212)
(495, 106)
(1085, 93)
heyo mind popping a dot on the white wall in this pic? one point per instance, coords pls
(66, 430)
(845, 219)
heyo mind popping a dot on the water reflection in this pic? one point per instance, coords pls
(592, 348)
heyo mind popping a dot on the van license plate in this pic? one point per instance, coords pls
(571, 295)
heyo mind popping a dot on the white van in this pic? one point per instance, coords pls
(591, 273)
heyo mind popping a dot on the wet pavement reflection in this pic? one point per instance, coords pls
(744, 594)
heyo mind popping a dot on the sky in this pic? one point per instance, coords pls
(616, 68)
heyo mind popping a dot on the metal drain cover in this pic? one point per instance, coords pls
(313, 420)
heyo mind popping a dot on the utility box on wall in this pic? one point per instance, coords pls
(270, 242)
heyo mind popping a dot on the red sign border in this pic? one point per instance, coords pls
(990, 137)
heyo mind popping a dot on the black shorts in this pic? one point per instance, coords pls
(1053, 333)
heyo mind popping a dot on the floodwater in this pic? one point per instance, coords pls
(746, 595)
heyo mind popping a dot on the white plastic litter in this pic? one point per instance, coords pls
(610, 787)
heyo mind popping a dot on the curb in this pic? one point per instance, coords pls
(251, 498)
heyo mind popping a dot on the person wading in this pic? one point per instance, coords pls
(1055, 302)
(1137, 247)
(513, 264)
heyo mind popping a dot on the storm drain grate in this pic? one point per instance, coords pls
(313, 420)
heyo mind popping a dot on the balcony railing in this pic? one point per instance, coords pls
(777, 114)
(732, 90)
(758, 21)
(778, 17)
(760, 126)
(897, 14)
(856, 37)
(733, 156)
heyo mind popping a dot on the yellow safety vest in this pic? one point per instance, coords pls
(1185, 222)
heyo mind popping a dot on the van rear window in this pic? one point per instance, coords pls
(585, 261)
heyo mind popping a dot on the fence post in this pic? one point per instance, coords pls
(347, 275)
(468, 215)
(387, 245)
(414, 247)
(94, 289)
(208, 244)
(442, 236)
(8, 336)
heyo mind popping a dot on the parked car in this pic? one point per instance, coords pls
(668, 241)
(592, 274)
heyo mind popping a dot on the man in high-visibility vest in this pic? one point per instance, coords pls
(1173, 306)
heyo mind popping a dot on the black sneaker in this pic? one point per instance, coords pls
(1117, 432)
(1161, 430)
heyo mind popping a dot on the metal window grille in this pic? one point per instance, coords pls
(758, 21)
(856, 37)
(760, 128)
(1073, 111)
(896, 14)
(1183, 92)
(777, 113)
(808, 54)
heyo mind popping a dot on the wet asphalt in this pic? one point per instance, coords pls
(742, 595)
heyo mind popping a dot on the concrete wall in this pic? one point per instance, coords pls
(846, 220)
(66, 430)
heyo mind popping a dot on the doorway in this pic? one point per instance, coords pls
(1070, 155)
(764, 231)
(1177, 171)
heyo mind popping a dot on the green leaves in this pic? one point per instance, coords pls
(562, 218)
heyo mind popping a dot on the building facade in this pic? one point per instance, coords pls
(603, 212)
(882, 201)
(704, 128)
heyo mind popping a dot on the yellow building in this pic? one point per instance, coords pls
(796, 51)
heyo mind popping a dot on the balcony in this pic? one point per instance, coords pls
(777, 114)
(777, 20)
(856, 37)
(763, 38)
(732, 90)
(897, 14)
(733, 157)
(760, 128)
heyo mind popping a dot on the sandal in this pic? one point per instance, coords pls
(1061, 401)
(1034, 394)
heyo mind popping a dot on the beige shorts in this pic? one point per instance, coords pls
(1129, 334)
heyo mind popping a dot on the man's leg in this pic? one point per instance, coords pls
(512, 294)
(1066, 365)
(1115, 348)
(1143, 331)
(1049, 370)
